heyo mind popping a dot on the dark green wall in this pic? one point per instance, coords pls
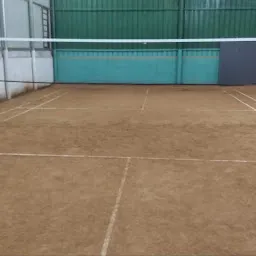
(154, 19)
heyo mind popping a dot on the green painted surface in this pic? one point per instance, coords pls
(136, 67)
(200, 66)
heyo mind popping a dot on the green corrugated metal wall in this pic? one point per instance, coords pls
(143, 19)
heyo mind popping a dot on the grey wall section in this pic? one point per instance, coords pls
(237, 63)
(2, 88)
(19, 57)
(17, 22)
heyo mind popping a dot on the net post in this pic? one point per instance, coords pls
(4, 47)
(32, 44)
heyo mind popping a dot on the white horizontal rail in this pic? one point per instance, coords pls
(66, 40)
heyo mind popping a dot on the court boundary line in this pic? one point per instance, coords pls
(11, 109)
(32, 108)
(244, 94)
(134, 109)
(249, 106)
(44, 155)
(28, 102)
(145, 100)
(89, 108)
(112, 220)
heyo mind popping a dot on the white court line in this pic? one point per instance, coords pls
(9, 110)
(26, 103)
(128, 157)
(218, 110)
(145, 101)
(91, 108)
(246, 95)
(133, 109)
(49, 94)
(41, 98)
(112, 220)
(24, 112)
(249, 106)
(62, 156)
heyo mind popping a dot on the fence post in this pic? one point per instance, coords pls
(4, 47)
(32, 44)
(53, 35)
(180, 36)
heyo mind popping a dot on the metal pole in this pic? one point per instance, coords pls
(4, 46)
(32, 44)
(180, 50)
(53, 35)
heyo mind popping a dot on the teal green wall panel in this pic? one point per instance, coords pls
(140, 67)
(200, 66)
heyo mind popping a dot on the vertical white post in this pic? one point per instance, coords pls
(5, 48)
(32, 44)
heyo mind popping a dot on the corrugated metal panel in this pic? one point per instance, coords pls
(217, 18)
(122, 19)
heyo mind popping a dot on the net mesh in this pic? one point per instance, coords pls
(157, 61)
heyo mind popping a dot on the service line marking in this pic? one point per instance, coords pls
(37, 106)
(112, 220)
(127, 157)
(90, 108)
(134, 109)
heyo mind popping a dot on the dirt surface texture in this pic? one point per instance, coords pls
(129, 170)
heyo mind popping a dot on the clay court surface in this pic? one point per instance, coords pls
(129, 170)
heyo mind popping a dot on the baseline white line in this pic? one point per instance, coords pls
(145, 101)
(112, 220)
(249, 106)
(246, 95)
(128, 157)
(37, 106)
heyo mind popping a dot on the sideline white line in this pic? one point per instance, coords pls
(246, 95)
(24, 112)
(249, 106)
(128, 157)
(11, 109)
(112, 220)
(49, 94)
(145, 101)
(26, 103)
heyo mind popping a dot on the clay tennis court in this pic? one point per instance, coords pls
(128, 170)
